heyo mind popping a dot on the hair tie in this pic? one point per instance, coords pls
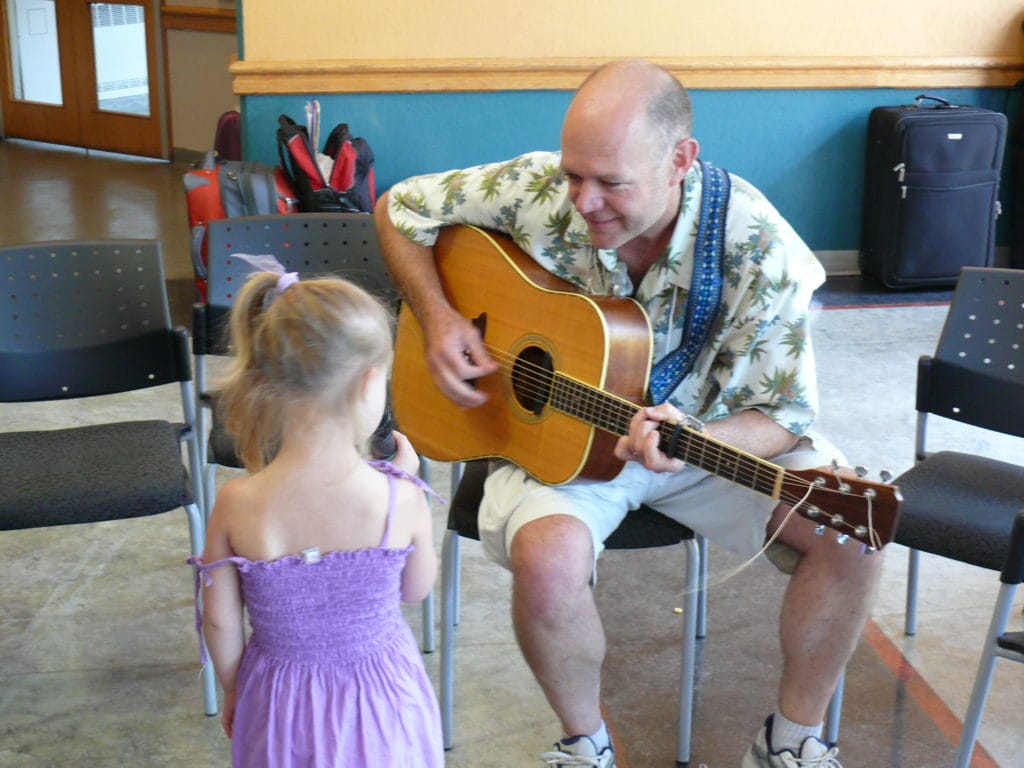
(267, 263)
(286, 281)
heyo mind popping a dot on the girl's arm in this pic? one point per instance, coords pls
(223, 622)
(421, 567)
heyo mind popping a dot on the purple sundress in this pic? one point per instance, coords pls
(332, 674)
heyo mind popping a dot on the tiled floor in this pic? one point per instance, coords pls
(96, 623)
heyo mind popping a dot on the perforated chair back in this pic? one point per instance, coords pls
(311, 244)
(977, 373)
(85, 318)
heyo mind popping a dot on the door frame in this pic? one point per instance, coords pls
(79, 121)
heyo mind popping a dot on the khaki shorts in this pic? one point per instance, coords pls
(727, 513)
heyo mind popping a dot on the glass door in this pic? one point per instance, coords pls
(85, 74)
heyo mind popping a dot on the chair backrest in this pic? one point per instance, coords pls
(84, 318)
(308, 243)
(977, 373)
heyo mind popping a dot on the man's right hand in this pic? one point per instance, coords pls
(457, 357)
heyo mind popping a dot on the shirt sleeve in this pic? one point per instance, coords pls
(516, 197)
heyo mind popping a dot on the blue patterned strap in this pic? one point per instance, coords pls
(705, 287)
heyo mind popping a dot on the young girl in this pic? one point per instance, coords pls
(317, 543)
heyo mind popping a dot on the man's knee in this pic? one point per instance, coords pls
(551, 558)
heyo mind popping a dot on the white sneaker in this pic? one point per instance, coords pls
(814, 753)
(579, 751)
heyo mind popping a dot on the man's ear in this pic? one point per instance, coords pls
(684, 156)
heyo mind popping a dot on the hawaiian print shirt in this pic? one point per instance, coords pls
(759, 352)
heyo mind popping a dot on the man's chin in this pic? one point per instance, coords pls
(606, 240)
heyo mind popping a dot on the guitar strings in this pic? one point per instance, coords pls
(764, 548)
(619, 423)
(746, 468)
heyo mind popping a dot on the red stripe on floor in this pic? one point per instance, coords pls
(617, 745)
(930, 702)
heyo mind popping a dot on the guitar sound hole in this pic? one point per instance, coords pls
(531, 379)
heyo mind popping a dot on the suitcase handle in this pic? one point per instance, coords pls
(941, 105)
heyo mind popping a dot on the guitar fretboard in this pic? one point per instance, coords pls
(605, 411)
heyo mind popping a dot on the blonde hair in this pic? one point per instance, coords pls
(313, 342)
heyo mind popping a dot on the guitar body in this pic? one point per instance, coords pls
(534, 325)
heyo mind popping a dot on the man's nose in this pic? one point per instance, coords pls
(588, 198)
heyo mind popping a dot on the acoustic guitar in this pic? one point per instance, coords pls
(563, 395)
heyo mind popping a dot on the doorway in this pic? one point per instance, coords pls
(84, 74)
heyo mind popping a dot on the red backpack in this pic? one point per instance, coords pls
(348, 185)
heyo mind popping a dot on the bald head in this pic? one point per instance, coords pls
(639, 92)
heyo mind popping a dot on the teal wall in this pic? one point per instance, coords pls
(802, 148)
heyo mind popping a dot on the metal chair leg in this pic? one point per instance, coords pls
(702, 605)
(450, 555)
(835, 711)
(910, 614)
(983, 678)
(197, 536)
(688, 663)
(427, 606)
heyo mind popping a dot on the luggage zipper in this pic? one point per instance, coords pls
(901, 170)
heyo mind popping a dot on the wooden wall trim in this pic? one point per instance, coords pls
(394, 76)
(198, 18)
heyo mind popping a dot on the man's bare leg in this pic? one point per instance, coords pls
(556, 619)
(826, 605)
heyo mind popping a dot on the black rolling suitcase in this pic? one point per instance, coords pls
(1017, 179)
(930, 191)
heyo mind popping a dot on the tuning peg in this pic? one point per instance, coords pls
(860, 471)
(842, 538)
(886, 476)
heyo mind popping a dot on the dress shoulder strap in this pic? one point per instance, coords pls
(394, 474)
(385, 540)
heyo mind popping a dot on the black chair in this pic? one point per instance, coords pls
(91, 318)
(959, 505)
(642, 528)
(998, 642)
(956, 504)
(312, 244)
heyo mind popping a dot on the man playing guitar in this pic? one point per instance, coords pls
(626, 209)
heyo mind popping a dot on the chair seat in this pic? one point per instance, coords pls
(1011, 641)
(960, 506)
(642, 528)
(89, 474)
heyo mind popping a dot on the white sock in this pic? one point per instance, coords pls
(789, 735)
(598, 738)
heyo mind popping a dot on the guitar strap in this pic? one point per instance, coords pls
(705, 287)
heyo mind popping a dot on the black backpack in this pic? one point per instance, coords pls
(349, 185)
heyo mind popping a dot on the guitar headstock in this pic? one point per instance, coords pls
(853, 507)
